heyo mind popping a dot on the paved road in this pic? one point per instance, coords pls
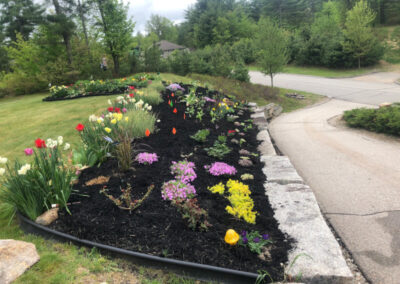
(354, 175)
(366, 89)
(356, 179)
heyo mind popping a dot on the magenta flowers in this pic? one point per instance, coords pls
(219, 169)
(177, 189)
(184, 171)
(28, 151)
(146, 158)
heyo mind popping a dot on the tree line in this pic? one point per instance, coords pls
(60, 41)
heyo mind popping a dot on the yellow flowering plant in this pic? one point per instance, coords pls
(239, 196)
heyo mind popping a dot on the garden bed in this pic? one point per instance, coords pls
(156, 227)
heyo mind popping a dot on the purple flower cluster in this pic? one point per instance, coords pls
(219, 169)
(174, 87)
(207, 99)
(147, 158)
(175, 189)
(184, 171)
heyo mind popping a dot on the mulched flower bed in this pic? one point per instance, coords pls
(156, 227)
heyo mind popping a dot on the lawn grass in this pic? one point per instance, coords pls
(260, 94)
(25, 118)
(325, 72)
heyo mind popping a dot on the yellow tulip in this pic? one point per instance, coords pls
(114, 121)
(108, 130)
(231, 237)
(126, 119)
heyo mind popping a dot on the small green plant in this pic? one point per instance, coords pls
(190, 210)
(201, 135)
(218, 150)
(124, 201)
(254, 241)
(222, 138)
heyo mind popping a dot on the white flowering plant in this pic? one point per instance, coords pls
(32, 188)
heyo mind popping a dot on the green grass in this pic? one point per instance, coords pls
(260, 94)
(26, 118)
(325, 72)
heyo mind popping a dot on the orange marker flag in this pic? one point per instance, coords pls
(184, 116)
(147, 132)
(175, 110)
(172, 95)
(173, 131)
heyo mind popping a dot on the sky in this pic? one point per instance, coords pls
(141, 10)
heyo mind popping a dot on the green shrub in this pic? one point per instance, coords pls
(218, 150)
(382, 120)
(201, 135)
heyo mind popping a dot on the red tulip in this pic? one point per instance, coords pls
(131, 87)
(117, 109)
(40, 143)
(173, 131)
(175, 110)
(147, 132)
(231, 131)
(110, 109)
(131, 95)
(80, 127)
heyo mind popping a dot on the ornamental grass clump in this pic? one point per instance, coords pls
(33, 188)
(146, 158)
(220, 168)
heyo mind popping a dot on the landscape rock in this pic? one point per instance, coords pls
(319, 256)
(47, 217)
(386, 104)
(245, 163)
(295, 96)
(235, 141)
(237, 123)
(244, 152)
(266, 147)
(280, 170)
(15, 258)
(272, 110)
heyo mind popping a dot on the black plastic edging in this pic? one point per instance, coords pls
(184, 268)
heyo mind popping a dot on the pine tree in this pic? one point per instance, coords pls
(19, 16)
(358, 32)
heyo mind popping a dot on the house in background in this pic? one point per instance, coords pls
(167, 47)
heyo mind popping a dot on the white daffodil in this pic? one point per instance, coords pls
(92, 118)
(51, 143)
(67, 146)
(3, 160)
(109, 102)
(2, 171)
(24, 169)
(60, 140)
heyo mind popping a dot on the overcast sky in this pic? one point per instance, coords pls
(141, 10)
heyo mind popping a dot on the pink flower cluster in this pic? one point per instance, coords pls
(177, 189)
(147, 158)
(184, 171)
(219, 169)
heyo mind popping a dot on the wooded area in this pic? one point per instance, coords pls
(60, 41)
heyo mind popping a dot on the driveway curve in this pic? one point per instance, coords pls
(371, 89)
(355, 175)
(356, 180)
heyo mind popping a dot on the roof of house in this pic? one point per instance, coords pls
(168, 46)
